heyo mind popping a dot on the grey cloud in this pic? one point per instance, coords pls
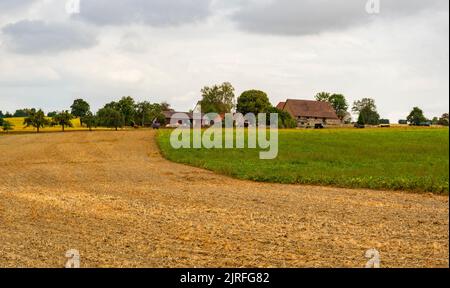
(157, 13)
(289, 17)
(6, 5)
(31, 37)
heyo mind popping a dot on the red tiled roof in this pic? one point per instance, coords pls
(281, 105)
(307, 108)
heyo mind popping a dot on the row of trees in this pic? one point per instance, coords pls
(125, 112)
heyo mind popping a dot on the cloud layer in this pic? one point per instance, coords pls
(158, 13)
(287, 17)
(34, 37)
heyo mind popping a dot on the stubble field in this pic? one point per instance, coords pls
(112, 196)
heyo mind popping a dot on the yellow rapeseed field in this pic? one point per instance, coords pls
(20, 127)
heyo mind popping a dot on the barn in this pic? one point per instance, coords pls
(310, 113)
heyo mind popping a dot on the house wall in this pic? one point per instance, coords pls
(311, 121)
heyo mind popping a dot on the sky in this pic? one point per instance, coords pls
(396, 52)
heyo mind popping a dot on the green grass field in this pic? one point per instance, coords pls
(409, 159)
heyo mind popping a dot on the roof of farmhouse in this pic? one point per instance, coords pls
(308, 108)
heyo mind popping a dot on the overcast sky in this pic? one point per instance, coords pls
(167, 50)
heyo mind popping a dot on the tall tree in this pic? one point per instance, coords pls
(339, 104)
(111, 118)
(444, 120)
(146, 113)
(337, 101)
(367, 111)
(253, 101)
(218, 98)
(416, 116)
(90, 120)
(36, 119)
(127, 107)
(63, 119)
(79, 109)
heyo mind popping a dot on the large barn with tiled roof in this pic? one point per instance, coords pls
(310, 113)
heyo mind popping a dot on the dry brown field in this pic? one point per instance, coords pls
(113, 197)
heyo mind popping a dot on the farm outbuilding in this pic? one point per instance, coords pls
(310, 113)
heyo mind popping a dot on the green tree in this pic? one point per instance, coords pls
(63, 119)
(218, 99)
(339, 104)
(285, 120)
(253, 101)
(367, 111)
(90, 120)
(1, 114)
(146, 113)
(52, 114)
(6, 125)
(165, 106)
(111, 118)
(323, 96)
(444, 120)
(79, 109)
(20, 113)
(1, 121)
(127, 107)
(337, 101)
(36, 119)
(416, 116)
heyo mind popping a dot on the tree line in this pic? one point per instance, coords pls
(125, 112)
(218, 99)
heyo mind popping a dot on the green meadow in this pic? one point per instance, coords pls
(407, 159)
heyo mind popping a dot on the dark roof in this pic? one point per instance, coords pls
(308, 108)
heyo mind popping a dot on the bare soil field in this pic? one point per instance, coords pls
(112, 196)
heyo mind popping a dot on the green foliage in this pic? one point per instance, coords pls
(111, 118)
(285, 120)
(52, 114)
(146, 113)
(126, 106)
(253, 101)
(337, 101)
(36, 119)
(444, 120)
(218, 99)
(6, 125)
(411, 159)
(90, 120)
(80, 108)
(323, 96)
(21, 113)
(367, 110)
(63, 119)
(416, 117)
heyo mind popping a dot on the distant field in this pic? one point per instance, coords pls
(410, 159)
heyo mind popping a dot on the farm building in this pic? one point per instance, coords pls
(310, 113)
